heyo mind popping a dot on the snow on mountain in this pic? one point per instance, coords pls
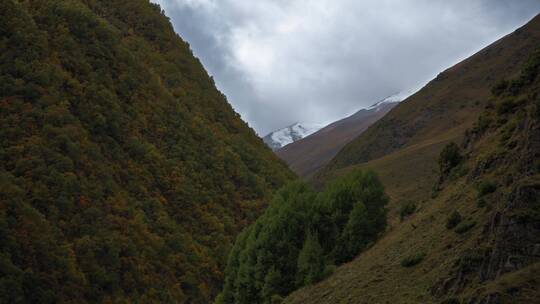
(398, 97)
(282, 137)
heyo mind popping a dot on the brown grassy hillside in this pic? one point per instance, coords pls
(403, 145)
(491, 255)
(309, 154)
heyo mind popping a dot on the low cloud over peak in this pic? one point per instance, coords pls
(282, 61)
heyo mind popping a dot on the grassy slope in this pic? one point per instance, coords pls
(377, 277)
(309, 154)
(398, 169)
(403, 148)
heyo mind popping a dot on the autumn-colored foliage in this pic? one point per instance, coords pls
(124, 173)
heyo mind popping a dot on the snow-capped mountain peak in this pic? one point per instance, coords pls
(282, 137)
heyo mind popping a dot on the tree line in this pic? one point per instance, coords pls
(302, 236)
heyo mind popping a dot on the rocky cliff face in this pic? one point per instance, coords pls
(509, 244)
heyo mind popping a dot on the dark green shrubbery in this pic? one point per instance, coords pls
(458, 171)
(453, 220)
(499, 87)
(449, 158)
(406, 210)
(528, 74)
(302, 235)
(464, 227)
(483, 123)
(486, 187)
(413, 260)
(505, 106)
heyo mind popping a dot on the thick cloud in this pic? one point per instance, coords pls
(282, 61)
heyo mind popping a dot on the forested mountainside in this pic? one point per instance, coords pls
(474, 236)
(125, 175)
(311, 153)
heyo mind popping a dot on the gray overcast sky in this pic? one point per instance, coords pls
(283, 61)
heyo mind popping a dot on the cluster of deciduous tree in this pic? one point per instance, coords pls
(302, 236)
(124, 174)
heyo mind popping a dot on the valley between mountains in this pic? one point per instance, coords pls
(127, 177)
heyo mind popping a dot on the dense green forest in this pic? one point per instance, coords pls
(125, 175)
(302, 236)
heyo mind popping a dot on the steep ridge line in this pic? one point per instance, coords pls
(490, 256)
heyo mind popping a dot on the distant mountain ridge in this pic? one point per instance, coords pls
(305, 156)
(284, 136)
